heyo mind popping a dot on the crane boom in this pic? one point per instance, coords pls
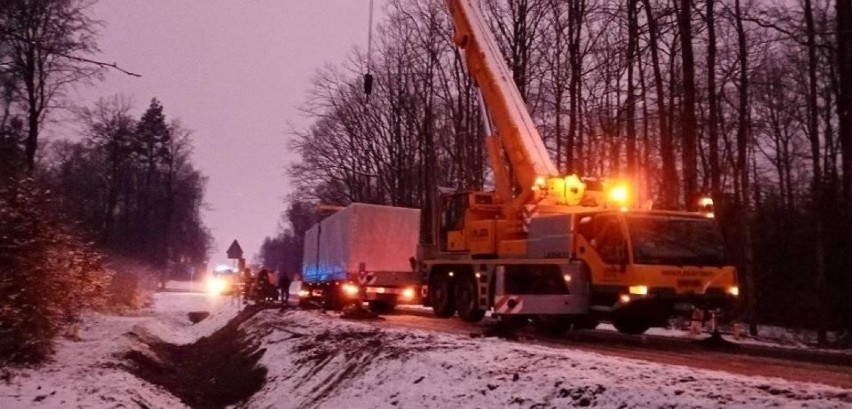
(522, 145)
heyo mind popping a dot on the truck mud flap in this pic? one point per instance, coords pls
(525, 304)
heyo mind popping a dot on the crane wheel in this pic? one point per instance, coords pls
(551, 325)
(585, 322)
(466, 303)
(631, 325)
(381, 307)
(441, 296)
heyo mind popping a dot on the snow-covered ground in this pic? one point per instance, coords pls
(321, 361)
(91, 373)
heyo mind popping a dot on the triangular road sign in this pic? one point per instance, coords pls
(235, 251)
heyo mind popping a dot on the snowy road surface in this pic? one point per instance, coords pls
(675, 348)
(321, 361)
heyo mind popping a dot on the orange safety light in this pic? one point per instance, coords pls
(540, 183)
(705, 205)
(618, 194)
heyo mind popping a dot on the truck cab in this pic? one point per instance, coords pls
(649, 265)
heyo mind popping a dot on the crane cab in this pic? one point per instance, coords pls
(468, 222)
(477, 224)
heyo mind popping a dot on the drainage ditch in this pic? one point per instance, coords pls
(214, 372)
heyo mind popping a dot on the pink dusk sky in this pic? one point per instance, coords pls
(235, 73)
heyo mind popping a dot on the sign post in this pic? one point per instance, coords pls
(235, 251)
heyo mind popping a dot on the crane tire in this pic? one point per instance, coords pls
(631, 325)
(441, 296)
(466, 304)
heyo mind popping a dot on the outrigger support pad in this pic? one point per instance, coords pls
(715, 341)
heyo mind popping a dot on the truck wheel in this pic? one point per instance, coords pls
(381, 307)
(335, 300)
(466, 301)
(551, 325)
(585, 322)
(440, 292)
(631, 325)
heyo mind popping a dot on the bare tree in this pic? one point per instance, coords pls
(632, 55)
(576, 13)
(109, 128)
(742, 168)
(689, 125)
(712, 102)
(844, 114)
(668, 181)
(816, 159)
(48, 44)
(516, 22)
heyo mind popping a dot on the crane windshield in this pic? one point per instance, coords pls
(674, 240)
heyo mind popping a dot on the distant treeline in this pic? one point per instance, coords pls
(132, 184)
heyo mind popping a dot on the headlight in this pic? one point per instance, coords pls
(408, 293)
(304, 293)
(350, 290)
(638, 289)
(216, 286)
(734, 290)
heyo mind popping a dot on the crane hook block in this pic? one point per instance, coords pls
(368, 83)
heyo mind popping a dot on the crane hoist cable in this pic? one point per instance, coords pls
(368, 77)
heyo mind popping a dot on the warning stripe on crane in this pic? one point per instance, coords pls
(483, 292)
(508, 304)
(529, 212)
(366, 277)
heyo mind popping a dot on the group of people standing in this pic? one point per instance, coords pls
(266, 286)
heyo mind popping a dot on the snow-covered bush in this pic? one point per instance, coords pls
(47, 273)
(131, 285)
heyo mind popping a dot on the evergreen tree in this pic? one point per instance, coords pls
(151, 141)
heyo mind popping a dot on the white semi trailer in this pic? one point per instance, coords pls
(362, 252)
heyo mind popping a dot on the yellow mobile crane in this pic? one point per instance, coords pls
(555, 248)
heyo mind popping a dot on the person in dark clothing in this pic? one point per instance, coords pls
(284, 286)
(266, 290)
(248, 283)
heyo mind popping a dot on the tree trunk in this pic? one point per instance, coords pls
(813, 136)
(742, 170)
(713, 105)
(668, 180)
(30, 74)
(632, 41)
(575, 24)
(689, 126)
(844, 122)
